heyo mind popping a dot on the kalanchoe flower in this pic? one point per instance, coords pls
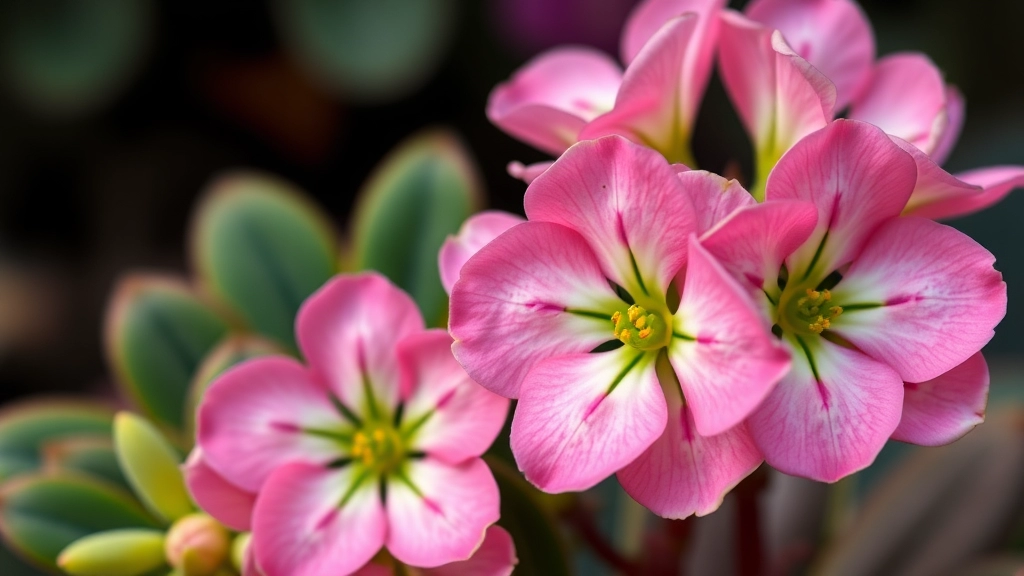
(475, 233)
(866, 302)
(571, 94)
(375, 442)
(904, 94)
(609, 257)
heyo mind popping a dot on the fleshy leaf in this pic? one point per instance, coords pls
(539, 544)
(157, 332)
(152, 467)
(26, 426)
(262, 247)
(125, 552)
(417, 196)
(92, 455)
(40, 515)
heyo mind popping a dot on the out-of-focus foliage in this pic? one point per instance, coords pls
(416, 197)
(151, 465)
(27, 428)
(368, 50)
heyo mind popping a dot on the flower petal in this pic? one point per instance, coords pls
(995, 182)
(627, 202)
(779, 96)
(440, 513)
(833, 35)
(649, 16)
(316, 521)
(934, 185)
(252, 417)
(729, 360)
(955, 110)
(832, 423)
(662, 89)
(229, 504)
(754, 241)
(527, 173)
(582, 418)
(935, 293)
(714, 198)
(455, 418)
(537, 291)
(684, 473)
(548, 101)
(475, 233)
(946, 407)
(905, 97)
(495, 557)
(856, 176)
(348, 330)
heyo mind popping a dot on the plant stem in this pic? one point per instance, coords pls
(582, 520)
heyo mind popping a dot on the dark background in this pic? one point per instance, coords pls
(90, 194)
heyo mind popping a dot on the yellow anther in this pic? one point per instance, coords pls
(623, 336)
(640, 322)
(835, 311)
(826, 295)
(645, 332)
(813, 294)
(634, 311)
(378, 435)
(616, 317)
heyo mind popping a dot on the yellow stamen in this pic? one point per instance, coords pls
(616, 317)
(633, 312)
(645, 332)
(640, 322)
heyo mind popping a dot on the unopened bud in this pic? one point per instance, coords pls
(198, 545)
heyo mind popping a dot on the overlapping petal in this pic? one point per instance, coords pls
(714, 198)
(495, 557)
(316, 521)
(626, 201)
(977, 189)
(549, 100)
(475, 233)
(252, 419)
(727, 360)
(828, 417)
(833, 35)
(441, 512)
(581, 418)
(347, 331)
(527, 173)
(649, 16)
(934, 185)
(929, 298)
(955, 111)
(454, 417)
(946, 407)
(535, 292)
(229, 504)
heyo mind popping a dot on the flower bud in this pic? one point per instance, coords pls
(198, 545)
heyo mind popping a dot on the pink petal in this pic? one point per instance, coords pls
(856, 176)
(548, 101)
(995, 182)
(729, 359)
(662, 89)
(474, 234)
(316, 521)
(509, 308)
(938, 298)
(581, 418)
(779, 96)
(833, 35)
(440, 513)
(495, 557)
(831, 425)
(714, 198)
(754, 241)
(905, 97)
(348, 330)
(945, 408)
(252, 417)
(455, 418)
(627, 202)
(934, 185)
(955, 110)
(649, 16)
(527, 173)
(229, 504)
(684, 473)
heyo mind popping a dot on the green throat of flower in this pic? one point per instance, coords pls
(641, 329)
(379, 447)
(807, 311)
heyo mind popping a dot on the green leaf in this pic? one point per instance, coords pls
(40, 515)
(11, 565)
(125, 552)
(92, 455)
(157, 333)
(539, 544)
(262, 247)
(417, 196)
(152, 466)
(234, 349)
(368, 50)
(27, 425)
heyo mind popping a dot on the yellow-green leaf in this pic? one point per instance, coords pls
(151, 465)
(127, 552)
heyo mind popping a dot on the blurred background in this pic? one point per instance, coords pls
(114, 115)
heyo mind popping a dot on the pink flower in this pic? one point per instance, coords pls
(869, 303)
(375, 442)
(571, 94)
(475, 233)
(824, 61)
(609, 256)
